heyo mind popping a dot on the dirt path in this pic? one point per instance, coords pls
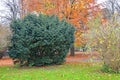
(6, 62)
(83, 57)
(79, 57)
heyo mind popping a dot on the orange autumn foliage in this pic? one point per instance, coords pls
(77, 12)
(30, 5)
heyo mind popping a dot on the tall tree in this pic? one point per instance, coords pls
(77, 12)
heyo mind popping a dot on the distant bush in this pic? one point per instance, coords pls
(40, 40)
(4, 39)
(106, 40)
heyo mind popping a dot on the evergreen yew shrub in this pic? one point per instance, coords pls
(40, 40)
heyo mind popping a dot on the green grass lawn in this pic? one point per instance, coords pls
(59, 72)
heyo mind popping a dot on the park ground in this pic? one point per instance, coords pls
(79, 67)
(78, 58)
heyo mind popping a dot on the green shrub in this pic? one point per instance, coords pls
(40, 40)
(108, 69)
(4, 39)
(106, 40)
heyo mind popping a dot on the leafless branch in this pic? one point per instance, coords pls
(12, 10)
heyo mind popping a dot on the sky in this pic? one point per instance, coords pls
(2, 8)
(1, 4)
(100, 1)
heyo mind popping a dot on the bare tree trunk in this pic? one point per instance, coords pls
(72, 50)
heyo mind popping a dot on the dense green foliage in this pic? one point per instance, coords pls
(40, 40)
(62, 72)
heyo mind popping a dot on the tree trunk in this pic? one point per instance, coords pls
(72, 51)
(1, 55)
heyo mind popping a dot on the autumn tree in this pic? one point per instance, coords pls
(77, 12)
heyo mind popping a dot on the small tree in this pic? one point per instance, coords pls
(40, 40)
(4, 39)
(106, 40)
